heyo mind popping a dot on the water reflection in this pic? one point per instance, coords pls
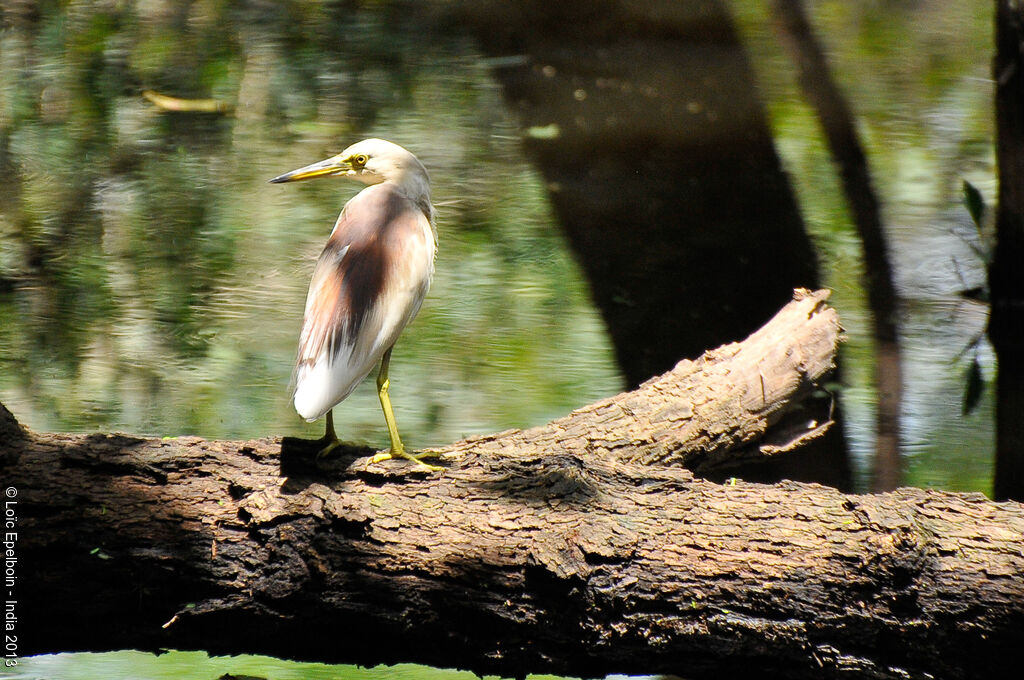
(157, 281)
(152, 282)
(917, 77)
(199, 666)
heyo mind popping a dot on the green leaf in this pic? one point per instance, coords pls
(974, 388)
(974, 203)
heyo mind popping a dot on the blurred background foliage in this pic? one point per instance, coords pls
(151, 281)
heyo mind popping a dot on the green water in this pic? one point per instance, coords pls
(151, 281)
(917, 76)
(199, 666)
(158, 280)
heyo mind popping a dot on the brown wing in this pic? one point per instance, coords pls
(365, 251)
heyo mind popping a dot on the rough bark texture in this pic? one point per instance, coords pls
(570, 548)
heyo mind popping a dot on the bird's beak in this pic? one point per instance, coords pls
(332, 166)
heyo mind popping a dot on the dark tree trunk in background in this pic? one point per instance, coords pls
(840, 129)
(1006, 273)
(647, 126)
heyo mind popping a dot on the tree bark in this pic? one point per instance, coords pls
(1006, 278)
(581, 547)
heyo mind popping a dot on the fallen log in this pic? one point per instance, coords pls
(582, 547)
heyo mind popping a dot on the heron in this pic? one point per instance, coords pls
(368, 283)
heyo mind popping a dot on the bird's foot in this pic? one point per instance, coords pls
(401, 453)
(329, 445)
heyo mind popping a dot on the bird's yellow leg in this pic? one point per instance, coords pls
(397, 449)
(330, 437)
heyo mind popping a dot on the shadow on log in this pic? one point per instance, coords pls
(583, 547)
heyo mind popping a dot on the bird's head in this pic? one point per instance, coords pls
(370, 161)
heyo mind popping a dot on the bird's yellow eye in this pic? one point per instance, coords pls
(359, 159)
